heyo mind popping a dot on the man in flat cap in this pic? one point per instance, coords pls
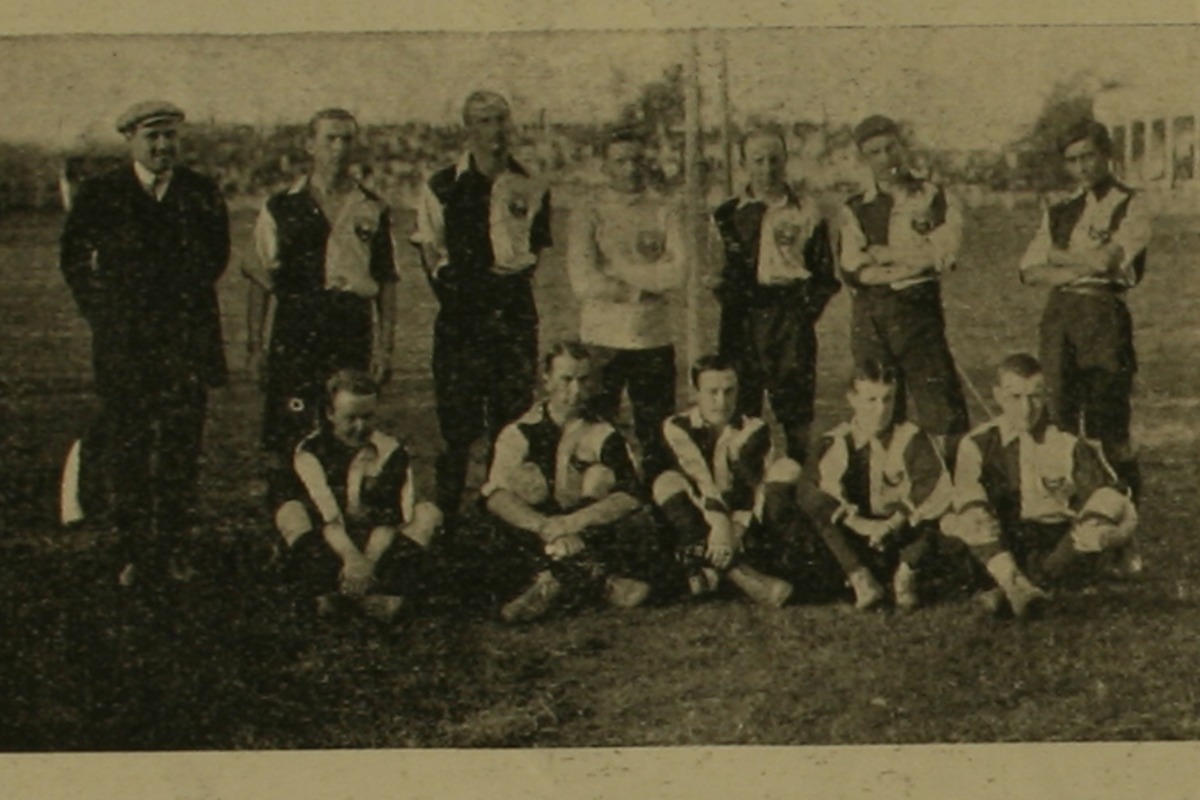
(898, 237)
(481, 225)
(1089, 251)
(142, 250)
(325, 256)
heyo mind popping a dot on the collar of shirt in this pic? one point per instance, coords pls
(613, 197)
(874, 190)
(466, 163)
(696, 420)
(787, 198)
(1096, 191)
(861, 438)
(1008, 433)
(150, 180)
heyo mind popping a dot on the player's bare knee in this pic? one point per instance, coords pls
(784, 470)
(292, 521)
(598, 482)
(668, 485)
(973, 526)
(1108, 519)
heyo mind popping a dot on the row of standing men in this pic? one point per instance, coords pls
(327, 270)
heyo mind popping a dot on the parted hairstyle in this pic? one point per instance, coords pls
(1023, 365)
(575, 350)
(872, 370)
(710, 363)
(329, 113)
(483, 97)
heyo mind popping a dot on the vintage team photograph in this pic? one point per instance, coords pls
(776, 386)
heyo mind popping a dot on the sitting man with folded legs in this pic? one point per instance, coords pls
(728, 502)
(565, 521)
(883, 486)
(1032, 500)
(357, 483)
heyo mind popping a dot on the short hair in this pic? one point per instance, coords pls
(1090, 129)
(711, 363)
(875, 125)
(872, 370)
(1023, 365)
(329, 113)
(625, 134)
(350, 381)
(762, 132)
(573, 349)
(483, 97)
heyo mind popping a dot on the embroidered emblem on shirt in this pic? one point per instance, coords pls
(651, 244)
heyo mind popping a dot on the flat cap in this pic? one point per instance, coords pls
(875, 125)
(148, 112)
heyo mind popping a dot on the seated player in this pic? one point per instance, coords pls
(882, 489)
(563, 501)
(728, 502)
(1031, 499)
(356, 483)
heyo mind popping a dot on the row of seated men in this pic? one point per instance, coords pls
(564, 519)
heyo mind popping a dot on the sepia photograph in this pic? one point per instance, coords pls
(513, 390)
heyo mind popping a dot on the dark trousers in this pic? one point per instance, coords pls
(310, 568)
(504, 560)
(774, 346)
(907, 330)
(783, 543)
(312, 337)
(484, 373)
(649, 376)
(140, 461)
(1089, 361)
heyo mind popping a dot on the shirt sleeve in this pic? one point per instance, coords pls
(1038, 251)
(691, 461)
(852, 255)
(312, 477)
(508, 454)
(932, 490)
(266, 241)
(831, 469)
(588, 281)
(431, 226)
(968, 473)
(1133, 236)
(946, 239)
(750, 467)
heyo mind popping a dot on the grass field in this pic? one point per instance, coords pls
(82, 668)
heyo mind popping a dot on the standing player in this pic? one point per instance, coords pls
(326, 257)
(777, 278)
(481, 225)
(625, 252)
(142, 250)
(898, 237)
(1031, 498)
(563, 501)
(884, 487)
(729, 502)
(357, 481)
(1089, 250)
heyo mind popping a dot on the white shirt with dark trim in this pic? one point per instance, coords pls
(373, 483)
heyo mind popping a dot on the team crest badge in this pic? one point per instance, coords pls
(651, 244)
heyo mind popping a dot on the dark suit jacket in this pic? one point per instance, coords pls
(144, 275)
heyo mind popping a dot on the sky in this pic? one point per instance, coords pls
(961, 87)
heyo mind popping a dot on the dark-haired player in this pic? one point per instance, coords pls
(1090, 250)
(898, 237)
